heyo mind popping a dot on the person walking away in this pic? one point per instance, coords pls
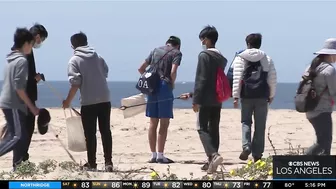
(13, 98)
(40, 35)
(254, 83)
(205, 97)
(160, 104)
(87, 71)
(323, 75)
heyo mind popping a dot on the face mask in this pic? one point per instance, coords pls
(203, 46)
(36, 46)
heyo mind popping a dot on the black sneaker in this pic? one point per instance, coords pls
(164, 161)
(109, 167)
(245, 153)
(152, 160)
(205, 166)
(88, 167)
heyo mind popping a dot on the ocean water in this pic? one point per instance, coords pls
(49, 98)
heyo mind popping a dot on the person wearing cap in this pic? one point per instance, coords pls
(325, 80)
(14, 99)
(160, 105)
(40, 35)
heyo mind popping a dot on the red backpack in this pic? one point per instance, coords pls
(223, 89)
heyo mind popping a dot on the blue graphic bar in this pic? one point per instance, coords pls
(294, 179)
(34, 185)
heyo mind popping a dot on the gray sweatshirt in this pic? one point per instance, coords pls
(15, 77)
(89, 70)
(326, 77)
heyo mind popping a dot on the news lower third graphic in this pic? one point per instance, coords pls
(304, 168)
(34, 185)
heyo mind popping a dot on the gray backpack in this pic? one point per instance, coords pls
(306, 98)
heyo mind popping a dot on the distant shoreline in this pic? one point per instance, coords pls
(179, 82)
(116, 108)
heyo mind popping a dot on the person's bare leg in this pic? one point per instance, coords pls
(152, 136)
(163, 131)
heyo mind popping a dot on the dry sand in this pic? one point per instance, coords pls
(131, 150)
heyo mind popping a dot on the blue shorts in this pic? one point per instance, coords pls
(160, 105)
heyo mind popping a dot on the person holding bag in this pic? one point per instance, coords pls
(88, 72)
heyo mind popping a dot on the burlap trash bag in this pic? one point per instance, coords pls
(131, 101)
(75, 133)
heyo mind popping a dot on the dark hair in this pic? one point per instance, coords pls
(39, 29)
(315, 63)
(174, 41)
(78, 40)
(22, 36)
(254, 40)
(209, 32)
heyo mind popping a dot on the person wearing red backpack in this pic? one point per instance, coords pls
(254, 83)
(205, 98)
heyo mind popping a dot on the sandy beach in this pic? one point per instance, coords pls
(131, 150)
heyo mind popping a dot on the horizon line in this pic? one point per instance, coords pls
(135, 81)
(176, 81)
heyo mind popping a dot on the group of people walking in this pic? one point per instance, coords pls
(249, 65)
(252, 77)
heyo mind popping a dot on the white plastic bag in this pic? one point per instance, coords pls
(131, 101)
(75, 134)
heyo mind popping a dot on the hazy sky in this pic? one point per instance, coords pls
(124, 32)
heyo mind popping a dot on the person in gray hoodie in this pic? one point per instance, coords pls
(88, 72)
(14, 99)
(254, 82)
(205, 103)
(325, 85)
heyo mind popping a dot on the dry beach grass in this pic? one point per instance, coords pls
(288, 133)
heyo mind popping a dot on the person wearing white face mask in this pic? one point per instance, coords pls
(324, 80)
(40, 35)
(205, 102)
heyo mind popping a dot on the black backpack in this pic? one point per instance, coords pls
(306, 98)
(254, 81)
(149, 81)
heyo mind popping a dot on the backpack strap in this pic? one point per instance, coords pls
(156, 65)
(326, 88)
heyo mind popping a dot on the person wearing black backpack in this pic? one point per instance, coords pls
(205, 102)
(254, 83)
(166, 60)
(318, 110)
